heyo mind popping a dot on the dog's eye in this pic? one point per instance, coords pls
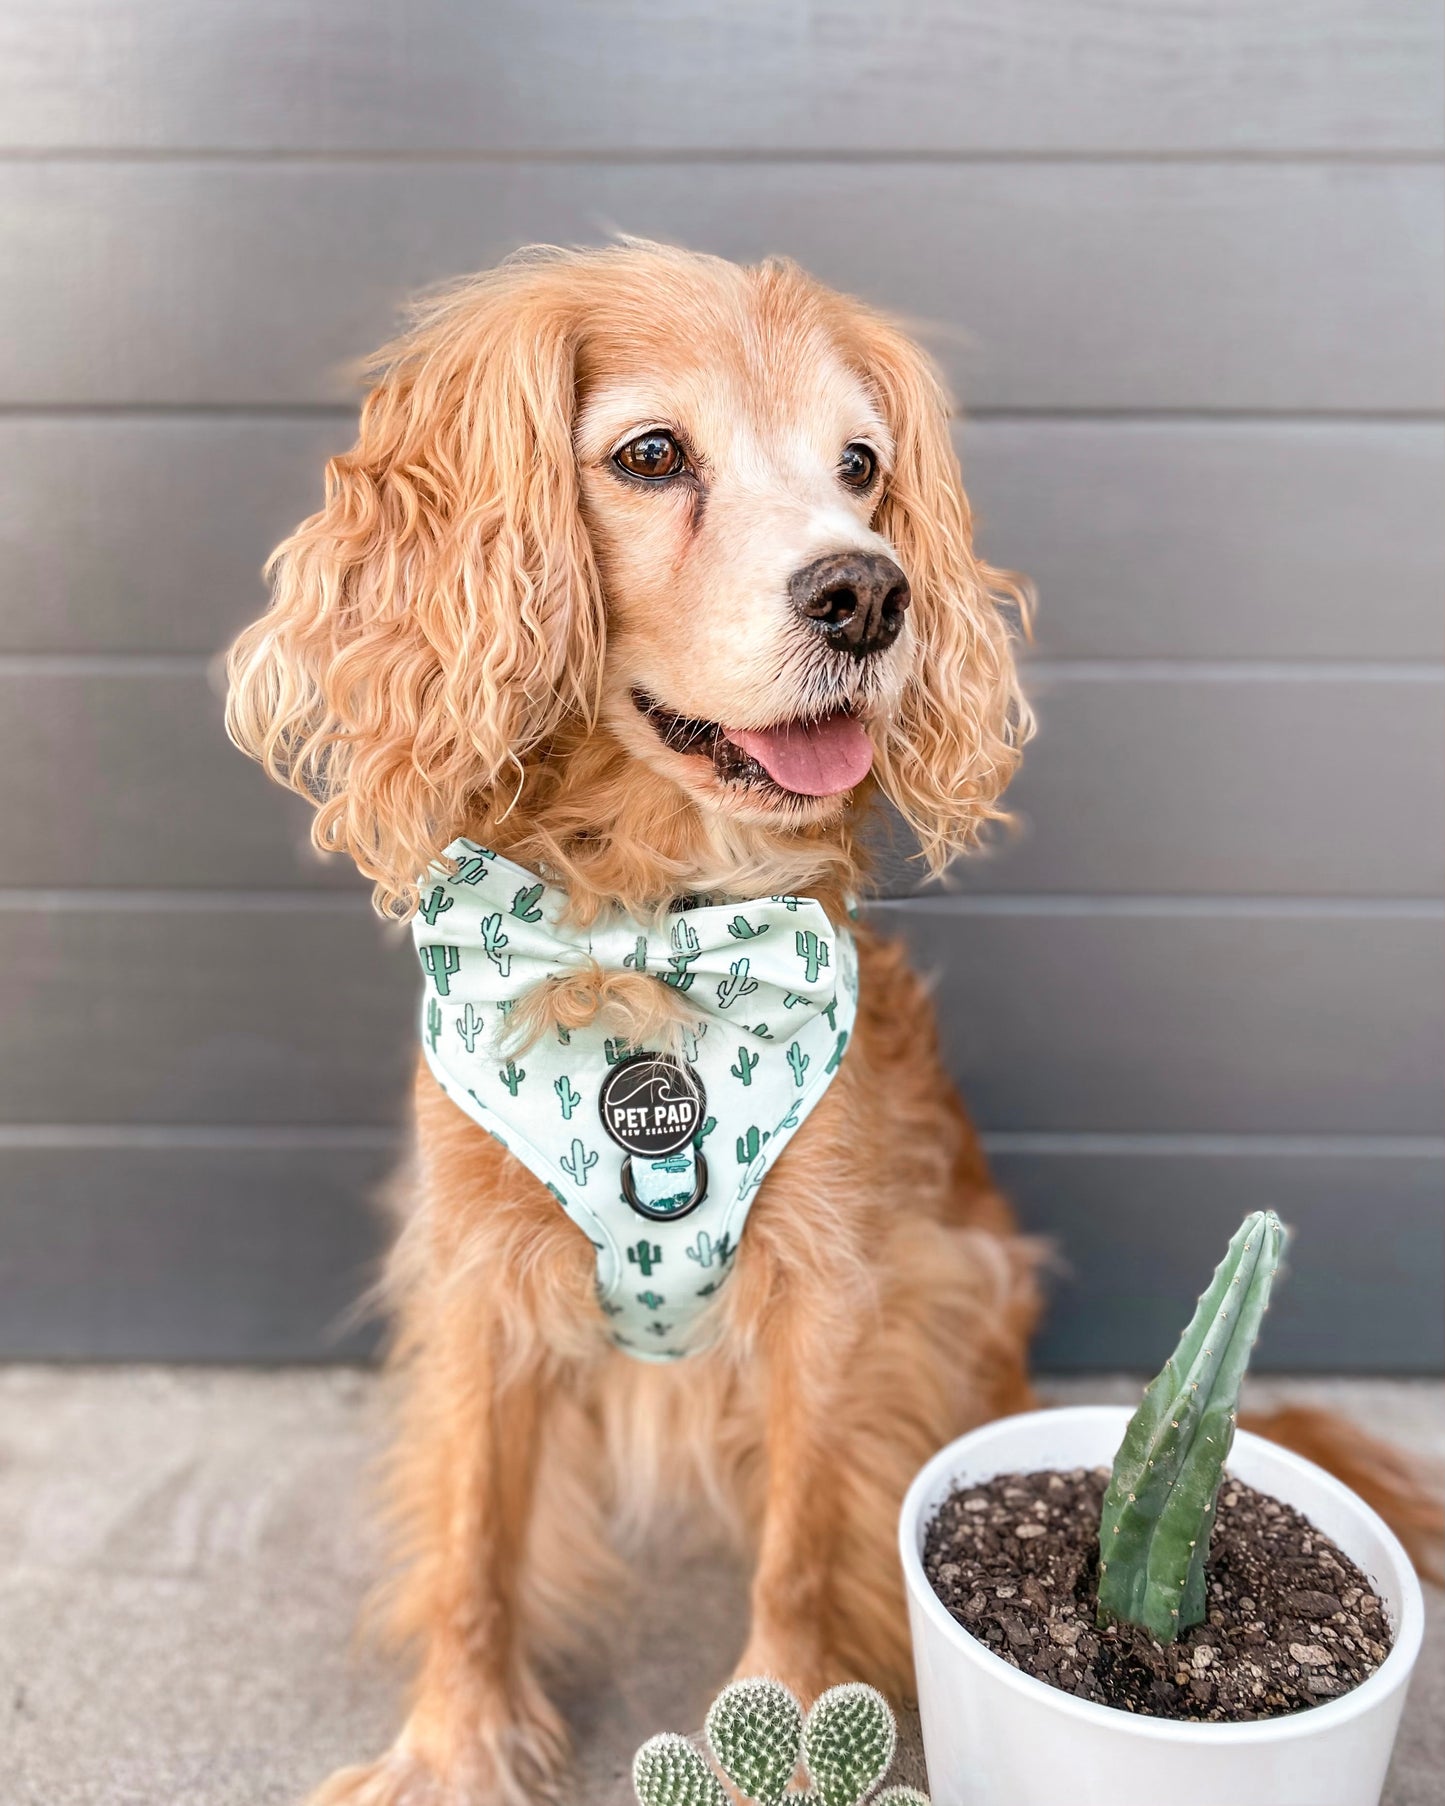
(654, 455)
(858, 465)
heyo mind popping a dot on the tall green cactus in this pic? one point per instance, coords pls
(494, 939)
(742, 1066)
(1159, 1507)
(433, 1022)
(524, 903)
(580, 1163)
(440, 964)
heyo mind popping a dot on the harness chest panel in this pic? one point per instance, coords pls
(656, 1157)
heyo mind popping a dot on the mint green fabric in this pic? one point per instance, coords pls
(775, 984)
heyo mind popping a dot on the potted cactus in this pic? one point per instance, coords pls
(1115, 1607)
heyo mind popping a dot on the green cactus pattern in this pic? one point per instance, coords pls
(1159, 1507)
(469, 1026)
(737, 984)
(441, 963)
(749, 1146)
(743, 1008)
(788, 903)
(524, 904)
(580, 1164)
(472, 870)
(494, 938)
(812, 952)
(757, 1735)
(645, 1255)
(438, 903)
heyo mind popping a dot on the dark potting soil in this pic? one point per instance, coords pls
(1291, 1620)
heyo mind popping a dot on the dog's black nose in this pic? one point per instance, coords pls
(858, 600)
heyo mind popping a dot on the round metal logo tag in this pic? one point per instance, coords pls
(652, 1105)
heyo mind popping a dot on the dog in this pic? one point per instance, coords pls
(650, 574)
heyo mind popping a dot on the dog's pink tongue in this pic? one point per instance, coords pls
(810, 758)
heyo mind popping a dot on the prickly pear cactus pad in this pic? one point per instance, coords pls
(1159, 1508)
(667, 1771)
(755, 1732)
(848, 1743)
(617, 1132)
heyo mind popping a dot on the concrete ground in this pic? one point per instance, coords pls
(183, 1556)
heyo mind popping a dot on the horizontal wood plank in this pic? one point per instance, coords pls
(1318, 784)
(1175, 1020)
(1218, 539)
(1187, 1019)
(234, 1253)
(1073, 286)
(845, 76)
(1145, 538)
(1137, 1233)
(188, 1255)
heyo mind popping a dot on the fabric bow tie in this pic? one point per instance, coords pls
(491, 931)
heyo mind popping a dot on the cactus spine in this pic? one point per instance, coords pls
(1159, 1508)
(755, 1732)
(848, 1742)
(667, 1771)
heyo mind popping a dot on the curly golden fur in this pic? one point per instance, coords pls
(457, 645)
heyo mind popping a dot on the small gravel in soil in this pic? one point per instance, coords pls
(1291, 1620)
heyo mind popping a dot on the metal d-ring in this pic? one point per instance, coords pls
(699, 1192)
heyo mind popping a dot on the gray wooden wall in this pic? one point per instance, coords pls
(1186, 260)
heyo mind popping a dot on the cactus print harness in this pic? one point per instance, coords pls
(655, 1158)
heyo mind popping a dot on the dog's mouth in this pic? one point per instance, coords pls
(823, 756)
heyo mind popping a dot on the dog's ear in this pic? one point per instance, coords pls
(440, 617)
(955, 739)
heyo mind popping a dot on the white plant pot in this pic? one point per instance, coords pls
(994, 1736)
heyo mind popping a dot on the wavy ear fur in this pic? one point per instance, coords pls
(441, 616)
(955, 740)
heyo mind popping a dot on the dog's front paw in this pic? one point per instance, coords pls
(517, 1765)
